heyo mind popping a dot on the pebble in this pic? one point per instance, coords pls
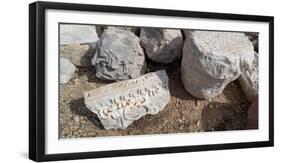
(76, 81)
(76, 118)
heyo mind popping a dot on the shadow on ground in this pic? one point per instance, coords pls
(221, 116)
(78, 107)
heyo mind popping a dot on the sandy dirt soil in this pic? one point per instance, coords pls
(183, 114)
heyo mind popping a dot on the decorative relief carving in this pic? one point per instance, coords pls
(123, 102)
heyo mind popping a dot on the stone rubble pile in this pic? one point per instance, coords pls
(210, 60)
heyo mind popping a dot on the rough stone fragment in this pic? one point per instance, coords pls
(119, 104)
(72, 33)
(101, 28)
(162, 45)
(80, 55)
(67, 69)
(249, 80)
(211, 60)
(119, 56)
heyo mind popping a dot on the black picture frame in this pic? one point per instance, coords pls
(37, 81)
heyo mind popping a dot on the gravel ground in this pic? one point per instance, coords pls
(183, 114)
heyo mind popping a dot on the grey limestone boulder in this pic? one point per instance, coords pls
(67, 69)
(73, 33)
(162, 45)
(119, 56)
(80, 55)
(249, 80)
(211, 60)
(119, 104)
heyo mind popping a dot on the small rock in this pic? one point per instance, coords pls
(211, 60)
(162, 45)
(119, 104)
(180, 121)
(76, 118)
(67, 69)
(73, 33)
(80, 55)
(75, 82)
(119, 56)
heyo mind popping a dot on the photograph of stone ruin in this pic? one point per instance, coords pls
(121, 81)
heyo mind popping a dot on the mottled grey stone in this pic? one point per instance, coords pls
(73, 33)
(119, 56)
(119, 104)
(249, 80)
(211, 60)
(162, 45)
(67, 69)
(80, 55)
(101, 28)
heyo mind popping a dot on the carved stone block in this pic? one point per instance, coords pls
(119, 104)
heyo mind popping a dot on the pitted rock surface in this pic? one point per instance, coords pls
(119, 56)
(211, 60)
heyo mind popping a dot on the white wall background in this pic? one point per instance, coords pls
(14, 79)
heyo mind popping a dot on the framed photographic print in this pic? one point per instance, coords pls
(110, 81)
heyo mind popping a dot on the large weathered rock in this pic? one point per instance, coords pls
(80, 55)
(213, 59)
(101, 28)
(67, 69)
(119, 104)
(249, 80)
(119, 56)
(72, 33)
(162, 45)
